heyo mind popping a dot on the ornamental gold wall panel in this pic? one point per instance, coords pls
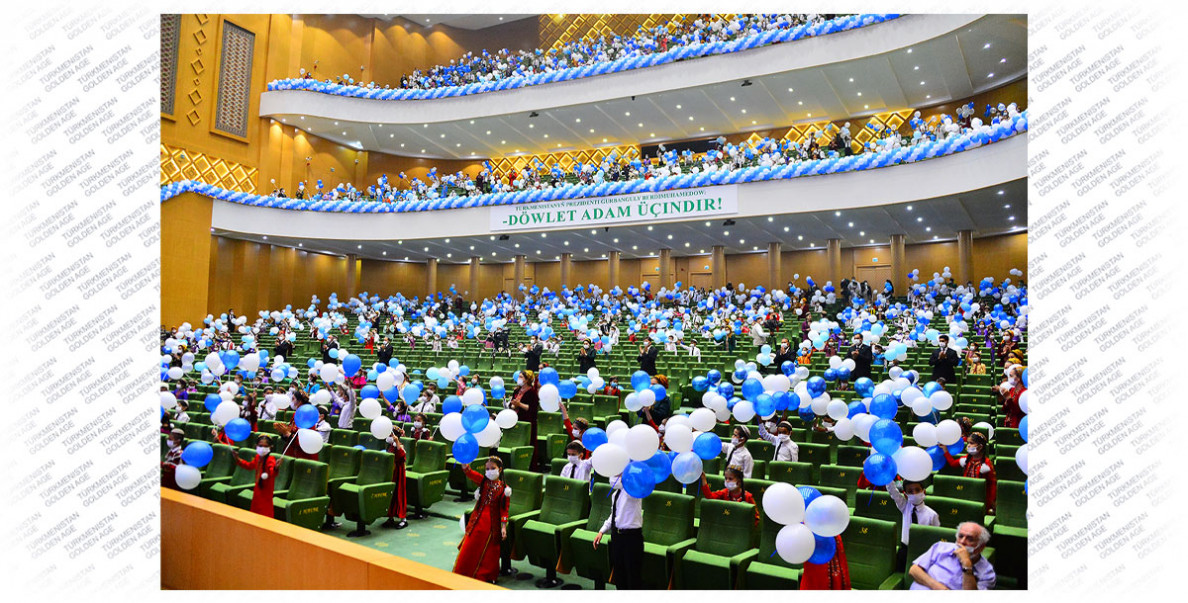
(182, 164)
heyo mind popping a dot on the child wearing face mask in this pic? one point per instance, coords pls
(172, 459)
(612, 387)
(421, 429)
(785, 448)
(265, 465)
(974, 463)
(575, 428)
(579, 464)
(478, 553)
(737, 455)
(398, 508)
(734, 491)
(1008, 395)
(910, 502)
(625, 524)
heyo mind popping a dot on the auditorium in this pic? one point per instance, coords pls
(556, 302)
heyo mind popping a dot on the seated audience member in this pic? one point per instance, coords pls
(955, 566)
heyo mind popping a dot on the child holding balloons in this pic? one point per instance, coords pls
(173, 458)
(265, 465)
(975, 463)
(734, 490)
(398, 508)
(478, 553)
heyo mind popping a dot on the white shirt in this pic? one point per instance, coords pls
(627, 511)
(579, 471)
(323, 428)
(784, 451)
(426, 406)
(740, 458)
(925, 516)
(346, 416)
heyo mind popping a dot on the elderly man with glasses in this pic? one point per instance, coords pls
(955, 566)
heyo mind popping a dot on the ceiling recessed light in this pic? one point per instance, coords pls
(544, 235)
(744, 111)
(732, 99)
(422, 150)
(586, 249)
(567, 243)
(531, 125)
(616, 240)
(1007, 206)
(916, 68)
(837, 213)
(786, 229)
(865, 106)
(927, 96)
(989, 75)
(628, 114)
(742, 241)
(810, 114)
(862, 233)
(799, 237)
(517, 245)
(909, 208)
(702, 129)
(546, 135)
(851, 224)
(634, 247)
(344, 133)
(301, 244)
(472, 247)
(578, 120)
(1003, 60)
(928, 229)
(303, 117)
(909, 51)
(426, 249)
(385, 253)
(726, 233)
(502, 142)
(669, 237)
(336, 123)
(472, 122)
(678, 106)
(492, 237)
(537, 252)
(859, 94)
(872, 240)
(920, 219)
(591, 130)
(649, 227)
(690, 118)
(986, 46)
(1011, 218)
(449, 255)
(593, 232)
(921, 82)
(686, 243)
(640, 125)
(851, 79)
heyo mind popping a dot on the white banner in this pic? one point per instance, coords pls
(618, 209)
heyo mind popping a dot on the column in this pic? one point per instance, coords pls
(665, 268)
(431, 276)
(518, 274)
(566, 264)
(718, 266)
(352, 275)
(898, 265)
(773, 265)
(964, 257)
(612, 267)
(472, 293)
(833, 254)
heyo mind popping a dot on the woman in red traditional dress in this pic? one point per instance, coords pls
(398, 508)
(478, 553)
(525, 400)
(975, 464)
(833, 575)
(1008, 394)
(265, 465)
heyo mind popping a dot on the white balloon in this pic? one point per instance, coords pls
(490, 434)
(187, 476)
(679, 437)
(744, 411)
(924, 434)
(702, 419)
(849, 362)
(794, 542)
(894, 372)
(922, 407)
(168, 400)
(506, 419)
(776, 383)
(646, 397)
(592, 373)
(679, 420)
(386, 380)
(618, 438)
(175, 373)
(783, 503)
(837, 410)
(910, 395)
(309, 440)
(820, 404)
(948, 432)
(827, 516)
(609, 460)
(834, 362)
(451, 426)
(474, 395)
(913, 463)
(281, 401)
(615, 426)
(631, 401)
(642, 442)
(224, 412)
(722, 414)
(1023, 406)
(207, 377)
(941, 400)
(250, 362)
(862, 423)
(453, 366)
(212, 360)
(988, 427)
(370, 408)
(328, 372)
(1021, 458)
(399, 376)
(321, 397)
(843, 429)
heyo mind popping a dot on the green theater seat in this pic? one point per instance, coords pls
(368, 497)
(953, 511)
(667, 533)
(837, 476)
(726, 539)
(964, 488)
(852, 456)
(241, 479)
(589, 562)
(218, 470)
(344, 437)
(458, 482)
(305, 502)
(769, 571)
(516, 447)
(815, 455)
(527, 494)
(426, 479)
(870, 546)
(790, 472)
(563, 509)
(280, 486)
(878, 505)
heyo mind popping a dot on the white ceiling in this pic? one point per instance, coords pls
(984, 211)
(987, 54)
(459, 21)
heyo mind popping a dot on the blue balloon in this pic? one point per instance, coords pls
(660, 464)
(1023, 429)
(707, 445)
(640, 380)
(856, 408)
(451, 404)
(442, 382)
(372, 374)
(842, 373)
(549, 375)
(238, 429)
(231, 360)
(809, 493)
(567, 388)
(826, 548)
(787, 368)
(660, 391)
(714, 376)
(886, 436)
(884, 406)
(830, 375)
(391, 394)
(765, 405)
(351, 365)
(938, 457)
(816, 386)
(957, 447)
(197, 453)
(593, 438)
(782, 401)
(410, 393)
(498, 393)
(333, 353)
(751, 388)
(879, 469)
(700, 384)
(369, 391)
(806, 414)
(212, 402)
(464, 370)
(638, 479)
(1025, 380)
(726, 390)
(432, 373)
(306, 416)
(687, 467)
(380, 367)
(475, 418)
(311, 362)
(930, 388)
(465, 448)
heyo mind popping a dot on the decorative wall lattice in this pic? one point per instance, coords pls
(567, 160)
(860, 134)
(556, 30)
(178, 164)
(170, 35)
(235, 79)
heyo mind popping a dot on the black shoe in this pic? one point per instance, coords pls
(330, 525)
(549, 583)
(390, 524)
(403, 524)
(507, 571)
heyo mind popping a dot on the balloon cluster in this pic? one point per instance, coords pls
(810, 521)
(634, 453)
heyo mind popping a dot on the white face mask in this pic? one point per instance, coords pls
(173, 445)
(971, 449)
(573, 459)
(576, 433)
(734, 441)
(732, 486)
(916, 499)
(520, 382)
(263, 450)
(416, 424)
(1012, 380)
(492, 474)
(783, 437)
